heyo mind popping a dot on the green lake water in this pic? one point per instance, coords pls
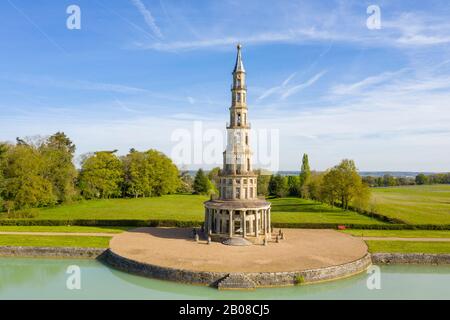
(23, 278)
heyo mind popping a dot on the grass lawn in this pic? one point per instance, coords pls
(190, 208)
(296, 210)
(176, 207)
(408, 246)
(54, 241)
(400, 233)
(427, 204)
(67, 229)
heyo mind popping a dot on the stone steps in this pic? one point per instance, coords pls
(236, 281)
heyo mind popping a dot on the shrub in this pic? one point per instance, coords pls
(299, 279)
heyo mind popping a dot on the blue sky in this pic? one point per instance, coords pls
(138, 70)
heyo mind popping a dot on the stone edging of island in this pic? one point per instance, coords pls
(51, 252)
(260, 279)
(410, 258)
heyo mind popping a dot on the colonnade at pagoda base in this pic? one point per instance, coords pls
(226, 220)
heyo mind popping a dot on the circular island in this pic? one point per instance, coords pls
(302, 256)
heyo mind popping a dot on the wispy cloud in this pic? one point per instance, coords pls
(354, 88)
(284, 90)
(72, 84)
(302, 25)
(148, 17)
(299, 87)
(277, 89)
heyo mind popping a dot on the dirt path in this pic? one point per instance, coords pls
(83, 234)
(406, 239)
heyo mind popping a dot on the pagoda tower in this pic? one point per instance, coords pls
(238, 213)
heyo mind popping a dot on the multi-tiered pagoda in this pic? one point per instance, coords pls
(238, 213)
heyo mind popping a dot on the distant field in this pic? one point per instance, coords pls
(428, 204)
(408, 246)
(190, 208)
(296, 210)
(399, 233)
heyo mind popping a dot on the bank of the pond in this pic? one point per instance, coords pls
(49, 252)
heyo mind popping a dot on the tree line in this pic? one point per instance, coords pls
(37, 172)
(340, 185)
(388, 180)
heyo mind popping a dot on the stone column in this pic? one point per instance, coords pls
(217, 216)
(244, 223)
(231, 223)
(269, 220)
(265, 221)
(209, 221)
(256, 223)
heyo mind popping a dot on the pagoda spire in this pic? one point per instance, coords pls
(239, 66)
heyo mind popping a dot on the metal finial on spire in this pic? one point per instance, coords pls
(239, 64)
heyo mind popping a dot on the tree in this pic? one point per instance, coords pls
(58, 152)
(389, 181)
(23, 178)
(136, 174)
(202, 185)
(163, 173)
(186, 183)
(149, 173)
(342, 183)
(305, 174)
(3, 150)
(263, 182)
(361, 198)
(421, 179)
(315, 186)
(278, 186)
(213, 176)
(101, 175)
(293, 183)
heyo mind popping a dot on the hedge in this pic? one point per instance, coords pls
(377, 216)
(100, 223)
(192, 224)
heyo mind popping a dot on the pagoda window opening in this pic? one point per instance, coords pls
(246, 139)
(238, 97)
(238, 119)
(248, 164)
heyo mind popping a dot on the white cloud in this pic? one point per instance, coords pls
(148, 17)
(354, 88)
(293, 90)
(191, 100)
(277, 89)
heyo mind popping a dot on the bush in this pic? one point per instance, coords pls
(299, 279)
